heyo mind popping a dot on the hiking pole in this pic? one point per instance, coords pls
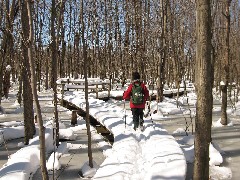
(150, 114)
(149, 108)
(150, 98)
(146, 114)
(124, 113)
(151, 117)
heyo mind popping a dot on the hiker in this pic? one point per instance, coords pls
(6, 81)
(138, 93)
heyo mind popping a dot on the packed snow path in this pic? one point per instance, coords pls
(151, 154)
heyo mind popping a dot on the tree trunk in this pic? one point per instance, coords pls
(6, 29)
(86, 90)
(224, 87)
(54, 71)
(47, 71)
(204, 82)
(29, 126)
(162, 60)
(28, 39)
(27, 95)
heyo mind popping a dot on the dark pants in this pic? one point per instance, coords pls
(137, 117)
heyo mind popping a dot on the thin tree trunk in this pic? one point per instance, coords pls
(47, 70)
(224, 87)
(29, 41)
(54, 70)
(162, 60)
(86, 90)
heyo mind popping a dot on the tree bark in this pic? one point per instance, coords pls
(86, 89)
(54, 70)
(224, 87)
(29, 126)
(204, 84)
(28, 38)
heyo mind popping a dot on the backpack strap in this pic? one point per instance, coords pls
(133, 84)
(140, 84)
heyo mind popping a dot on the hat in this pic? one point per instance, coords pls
(135, 76)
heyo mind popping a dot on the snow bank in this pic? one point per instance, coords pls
(22, 164)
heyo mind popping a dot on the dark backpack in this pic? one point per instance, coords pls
(137, 95)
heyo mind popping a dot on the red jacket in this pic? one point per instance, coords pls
(127, 95)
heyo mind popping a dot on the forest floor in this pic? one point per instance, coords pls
(227, 138)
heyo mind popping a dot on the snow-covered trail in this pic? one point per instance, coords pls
(152, 154)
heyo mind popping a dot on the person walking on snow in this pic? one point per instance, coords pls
(138, 93)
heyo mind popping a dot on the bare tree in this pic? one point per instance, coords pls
(86, 87)
(8, 14)
(54, 70)
(224, 87)
(204, 83)
(149, 36)
(29, 126)
(28, 39)
(162, 58)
